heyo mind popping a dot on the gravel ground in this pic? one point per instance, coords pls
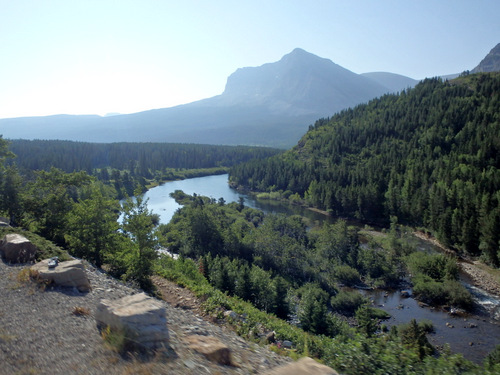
(41, 334)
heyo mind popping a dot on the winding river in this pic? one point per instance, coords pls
(474, 335)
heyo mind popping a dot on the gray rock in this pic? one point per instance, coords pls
(70, 273)
(287, 344)
(143, 318)
(17, 249)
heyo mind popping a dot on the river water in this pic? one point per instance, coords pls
(474, 335)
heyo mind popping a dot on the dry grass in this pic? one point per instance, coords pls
(5, 337)
(81, 311)
(27, 278)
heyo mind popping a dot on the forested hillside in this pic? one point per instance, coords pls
(429, 157)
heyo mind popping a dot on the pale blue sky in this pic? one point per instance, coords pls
(95, 57)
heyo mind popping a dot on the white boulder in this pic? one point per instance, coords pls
(143, 318)
(70, 273)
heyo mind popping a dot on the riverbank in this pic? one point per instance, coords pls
(479, 274)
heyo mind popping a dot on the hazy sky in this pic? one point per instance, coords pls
(96, 57)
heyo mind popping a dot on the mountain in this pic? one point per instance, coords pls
(270, 105)
(491, 63)
(393, 82)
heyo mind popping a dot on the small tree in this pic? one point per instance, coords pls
(365, 320)
(313, 311)
(92, 227)
(139, 225)
(282, 308)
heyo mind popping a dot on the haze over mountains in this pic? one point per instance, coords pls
(269, 105)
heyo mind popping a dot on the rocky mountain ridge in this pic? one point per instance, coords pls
(491, 63)
(270, 105)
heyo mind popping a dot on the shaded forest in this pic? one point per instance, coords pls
(140, 158)
(428, 157)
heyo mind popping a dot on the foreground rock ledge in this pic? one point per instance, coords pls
(143, 319)
(304, 366)
(17, 249)
(69, 273)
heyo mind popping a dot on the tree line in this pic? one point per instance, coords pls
(429, 156)
(138, 158)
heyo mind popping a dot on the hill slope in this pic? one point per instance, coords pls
(44, 336)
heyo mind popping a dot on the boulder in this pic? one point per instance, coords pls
(141, 317)
(69, 273)
(17, 249)
(211, 347)
(271, 337)
(287, 344)
(304, 366)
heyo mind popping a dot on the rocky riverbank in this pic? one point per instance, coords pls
(481, 278)
(477, 276)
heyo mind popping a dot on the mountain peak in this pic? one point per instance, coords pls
(302, 56)
(491, 63)
(300, 83)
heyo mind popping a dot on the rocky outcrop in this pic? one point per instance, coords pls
(70, 273)
(142, 318)
(491, 63)
(17, 249)
(304, 366)
(211, 347)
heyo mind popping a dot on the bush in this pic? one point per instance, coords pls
(457, 295)
(347, 302)
(437, 266)
(429, 290)
(450, 292)
(347, 275)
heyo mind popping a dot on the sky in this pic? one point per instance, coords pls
(104, 56)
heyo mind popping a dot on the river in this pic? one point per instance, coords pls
(160, 202)
(474, 335)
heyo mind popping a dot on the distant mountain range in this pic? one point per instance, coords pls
(269, 105)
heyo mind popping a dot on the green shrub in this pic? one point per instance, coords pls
(429, 290)
(347, 275)
(449, 292)
(347, 302)
(437, 266)
(457, 295)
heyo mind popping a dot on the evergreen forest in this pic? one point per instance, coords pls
(427, 157)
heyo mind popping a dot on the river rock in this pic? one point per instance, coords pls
(304, 366)
(70, 273)
(143, 318)
(211, 347)
(405, 294)
(17, 249)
